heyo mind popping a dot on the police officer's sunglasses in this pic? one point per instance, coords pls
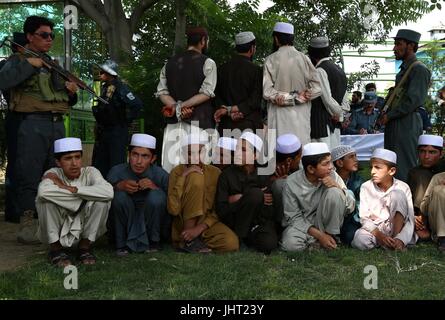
(45, 35)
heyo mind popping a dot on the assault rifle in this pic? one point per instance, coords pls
(52, 65)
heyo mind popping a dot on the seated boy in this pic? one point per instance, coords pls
(315, 202)
(72, 203)
(430, 151)
(223, 152)
(243, 201)
(346, 165)
(288, 158)
(386, 207)
(191, 196)
(138, 212)
(433, 208)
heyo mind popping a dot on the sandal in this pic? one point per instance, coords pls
(196, 246)
(59, 258)
(122, 252)
(86, 257)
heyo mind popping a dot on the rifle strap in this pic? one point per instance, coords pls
(400, 84)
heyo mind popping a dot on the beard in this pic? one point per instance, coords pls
(274, 47)
(205, 50)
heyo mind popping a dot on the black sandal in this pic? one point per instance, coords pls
(59, 258)
(196, 246)
(86, 257)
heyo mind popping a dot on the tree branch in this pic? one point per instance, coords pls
(138, 11)
(95, 10)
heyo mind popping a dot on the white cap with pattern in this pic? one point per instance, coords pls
(244, 37)
(284, 27)
(430, 140)
(143, 140)
(67, 145)
(341, 151)
(288, 143)
(314, 148)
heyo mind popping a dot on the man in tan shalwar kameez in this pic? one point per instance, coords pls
(72, 204)
(290, 81)
(191, 196)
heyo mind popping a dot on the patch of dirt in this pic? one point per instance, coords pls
(13, 254)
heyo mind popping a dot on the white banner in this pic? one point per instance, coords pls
(363, 144)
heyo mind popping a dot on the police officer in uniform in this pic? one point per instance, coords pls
(403, 122)
(113, 119)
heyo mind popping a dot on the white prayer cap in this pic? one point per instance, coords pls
(227, 143)
(194, 138)
(314, 148)
(143, 140)
(430, 140)
(253, 139)
(341, 151)
(385, 154)
(67, 145)
(288, 143)
(284, 27)
(244, 37)
(319, 42)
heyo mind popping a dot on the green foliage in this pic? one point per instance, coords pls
(348, 22)
(155, 44)
(434, 59)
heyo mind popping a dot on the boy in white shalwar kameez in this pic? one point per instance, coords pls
(386, 207)
(72, 204)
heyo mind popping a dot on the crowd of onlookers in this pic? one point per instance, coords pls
(367, 107)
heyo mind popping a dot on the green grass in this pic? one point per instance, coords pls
(242, 275)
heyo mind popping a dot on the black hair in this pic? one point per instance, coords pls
(335, 162)
(32, 23)
(425, 145)
(319, 53)
(153, 151)
(415, 45)
(283, 156)
(370, 85)
(284, 38)
(245, 47)
(59, 155)
(313, 160)
(358, 93)
(194, 39)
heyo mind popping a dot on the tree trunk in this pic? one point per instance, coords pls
(180, 41)
(117, 28)
(119, 41)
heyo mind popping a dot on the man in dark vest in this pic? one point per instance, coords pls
(187, 83)
(403, 122)
(327, 110)
(113, 119)
(239, 88)
(39, 98)
(12, 212)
